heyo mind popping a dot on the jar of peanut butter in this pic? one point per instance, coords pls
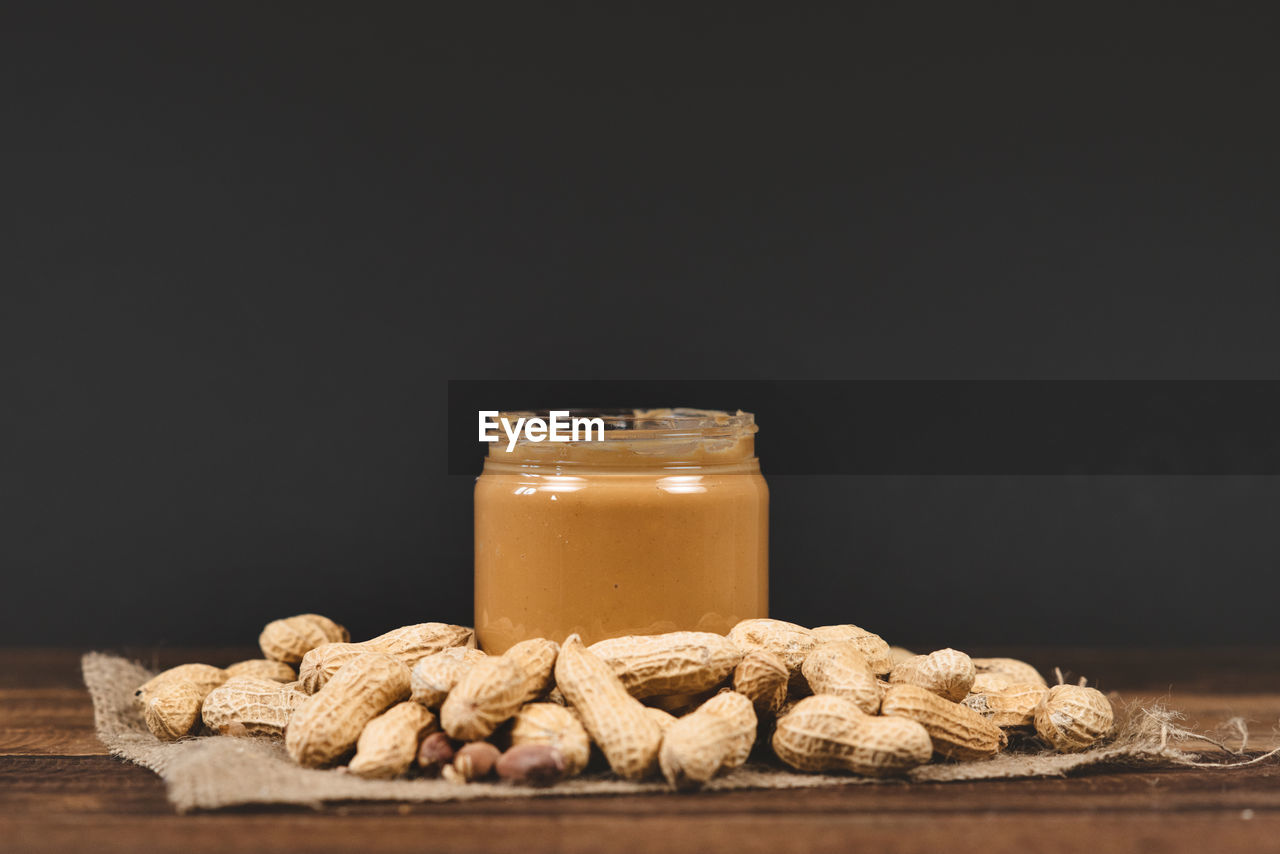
(659, 522)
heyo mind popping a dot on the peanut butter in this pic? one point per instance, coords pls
(661, 526)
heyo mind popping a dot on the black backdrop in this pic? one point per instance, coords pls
(244, 246)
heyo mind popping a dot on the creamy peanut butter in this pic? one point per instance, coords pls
(661, 526)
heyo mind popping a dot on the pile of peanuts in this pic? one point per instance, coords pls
(423, 700)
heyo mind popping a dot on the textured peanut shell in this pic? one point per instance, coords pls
(491, 692)
(875, 648)
(327, 725)
(555, 726)
(762, 677)
(173, 710)
(661, 717)
(948, 673)
(537, 656)
(1011, 705)
(321, 663)
(786, 640)
(841, 669)
(290, 638)
(741, 715)
(986, 683)
(205, 677)
(957, 732)
(1011, 669)
(693, 749)
(262, 668)
(671, 663)
(410, 644)
(249, 705)
(616, 721)
(434, 676)
(829, 733)
(1073, 718)
(387, 746)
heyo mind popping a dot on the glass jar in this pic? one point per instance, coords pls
(661, 525)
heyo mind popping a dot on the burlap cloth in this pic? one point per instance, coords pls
(219, 771)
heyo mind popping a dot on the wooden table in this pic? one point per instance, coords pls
(60, 792)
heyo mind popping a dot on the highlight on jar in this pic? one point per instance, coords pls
(618, 522)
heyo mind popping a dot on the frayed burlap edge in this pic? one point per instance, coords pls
(214, 772)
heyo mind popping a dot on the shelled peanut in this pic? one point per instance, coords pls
(681, 706)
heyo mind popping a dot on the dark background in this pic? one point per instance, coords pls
(244, 247)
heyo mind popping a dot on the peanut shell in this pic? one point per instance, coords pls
(830, 733)
(434, 676)
(290, 638)
(492, 691)
(387, 746)
(875, 648)
(616, 721)
(957, 732)
(262, 668)
(671, 663)
(841, 669)
(249, 705)
(762, 677)
(328, 724)
(1012, 705)
(1073, 718)
(173, 710)
(948, 673)
(555, 726)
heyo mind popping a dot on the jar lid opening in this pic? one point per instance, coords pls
(666, 423)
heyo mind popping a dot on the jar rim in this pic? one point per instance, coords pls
(664, 423)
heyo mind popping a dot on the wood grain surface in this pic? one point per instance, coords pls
(60, 792)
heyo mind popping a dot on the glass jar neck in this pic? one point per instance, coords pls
(639, 440)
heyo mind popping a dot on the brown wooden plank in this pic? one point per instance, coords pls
(99, 784)
(737, 833)
(47, 721)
